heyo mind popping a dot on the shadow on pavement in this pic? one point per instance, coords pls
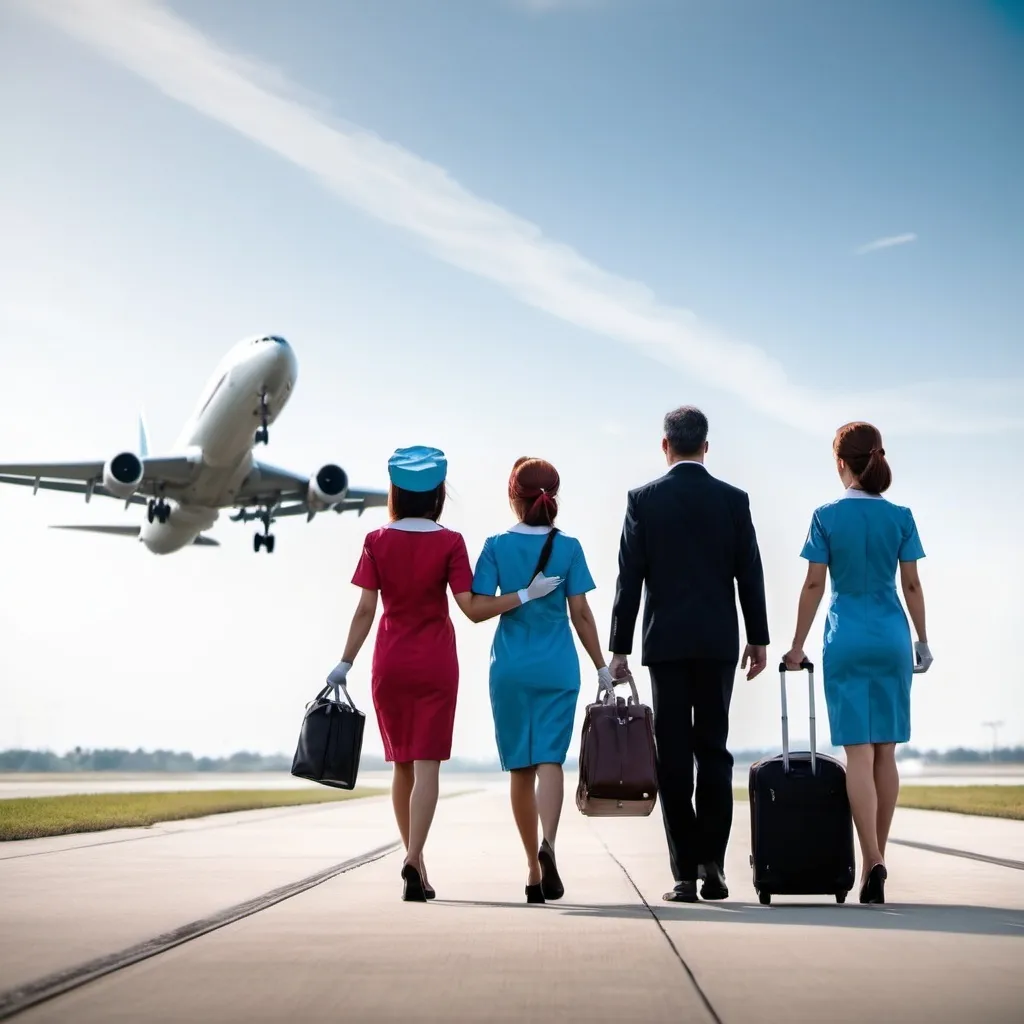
(956, 920)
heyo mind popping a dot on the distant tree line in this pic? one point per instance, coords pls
(964, 755)
(116, 760)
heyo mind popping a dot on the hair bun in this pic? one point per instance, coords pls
(859, 445)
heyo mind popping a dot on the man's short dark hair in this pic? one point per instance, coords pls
(686, 429)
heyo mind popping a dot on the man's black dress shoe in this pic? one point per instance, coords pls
(684, 892)
(714, 887)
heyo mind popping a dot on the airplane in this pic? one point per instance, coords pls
(212, 466)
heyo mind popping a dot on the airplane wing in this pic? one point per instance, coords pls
(133, 531)
(286, 492)
(160, 476)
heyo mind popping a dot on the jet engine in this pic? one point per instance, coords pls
(122, 475)
(327, 488)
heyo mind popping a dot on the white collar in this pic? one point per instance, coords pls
(523, 528)
(414, 525)
(856, 492)
(687, 462)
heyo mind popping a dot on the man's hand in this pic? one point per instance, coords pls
(619, 666)
(758, 658)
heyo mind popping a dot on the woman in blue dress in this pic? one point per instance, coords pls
(535, 671)
(862, 539)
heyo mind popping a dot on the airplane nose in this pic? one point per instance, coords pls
(279, 356)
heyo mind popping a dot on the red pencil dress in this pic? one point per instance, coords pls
(415, 674)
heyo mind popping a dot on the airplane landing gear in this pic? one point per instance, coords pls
(262, 435)
(264, 539)
(159, 509)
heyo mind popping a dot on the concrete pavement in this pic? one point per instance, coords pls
(949, 945)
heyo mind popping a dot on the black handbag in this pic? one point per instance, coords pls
(330, 741)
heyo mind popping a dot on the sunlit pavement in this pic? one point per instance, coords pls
(948, 946)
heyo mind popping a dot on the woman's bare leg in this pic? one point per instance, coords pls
(401, 791)
(522, 789)
(860, 787)
(887, 786)
(550, 797)
(422, 804)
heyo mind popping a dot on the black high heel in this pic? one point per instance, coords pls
(873, 889)
(412, 891)
(534, 893)
(550, 882)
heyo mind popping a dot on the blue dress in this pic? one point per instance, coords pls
(535, 671)
(868, 657)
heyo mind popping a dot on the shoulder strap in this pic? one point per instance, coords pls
(545, 552)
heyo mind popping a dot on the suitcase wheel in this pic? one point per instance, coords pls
(840, 897)
(765, 897)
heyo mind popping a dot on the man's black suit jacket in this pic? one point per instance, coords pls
(688, 537)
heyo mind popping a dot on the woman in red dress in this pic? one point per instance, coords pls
(411, 563)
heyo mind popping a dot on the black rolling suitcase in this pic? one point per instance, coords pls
(801, 830)
(330, 741)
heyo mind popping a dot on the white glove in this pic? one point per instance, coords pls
(922, 657)
(541, 586)
(339, 673)
(604, 680)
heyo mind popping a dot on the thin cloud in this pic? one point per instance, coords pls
(393, 185)
(887, 243)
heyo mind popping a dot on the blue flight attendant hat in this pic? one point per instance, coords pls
(419, 468)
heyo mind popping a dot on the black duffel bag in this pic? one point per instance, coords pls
(330, 741)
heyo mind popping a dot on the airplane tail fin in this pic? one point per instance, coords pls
(143, 437)
(132, 531)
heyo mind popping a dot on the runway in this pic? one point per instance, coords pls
(294, 914)
(21, 784)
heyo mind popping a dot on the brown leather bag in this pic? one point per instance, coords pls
(618, 766)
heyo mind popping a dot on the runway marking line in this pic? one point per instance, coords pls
(1002, 862)
(23, 997)
(712, 1012)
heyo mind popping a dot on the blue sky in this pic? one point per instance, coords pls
(505, 227)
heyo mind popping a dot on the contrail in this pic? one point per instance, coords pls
(393, 185)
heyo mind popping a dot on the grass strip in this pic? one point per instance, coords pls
(37, 816)
(984, 801)
(987, 801)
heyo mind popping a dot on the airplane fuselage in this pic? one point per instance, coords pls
(248, 391)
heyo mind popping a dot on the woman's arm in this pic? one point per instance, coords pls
(913, 594)
(481, 607)
(362, 622)
(586, 629)
(807, 608)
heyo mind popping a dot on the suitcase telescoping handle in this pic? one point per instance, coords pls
(783, 669)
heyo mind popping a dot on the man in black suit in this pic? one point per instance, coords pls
(690, 539)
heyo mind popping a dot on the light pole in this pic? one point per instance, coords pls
(994, 726)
